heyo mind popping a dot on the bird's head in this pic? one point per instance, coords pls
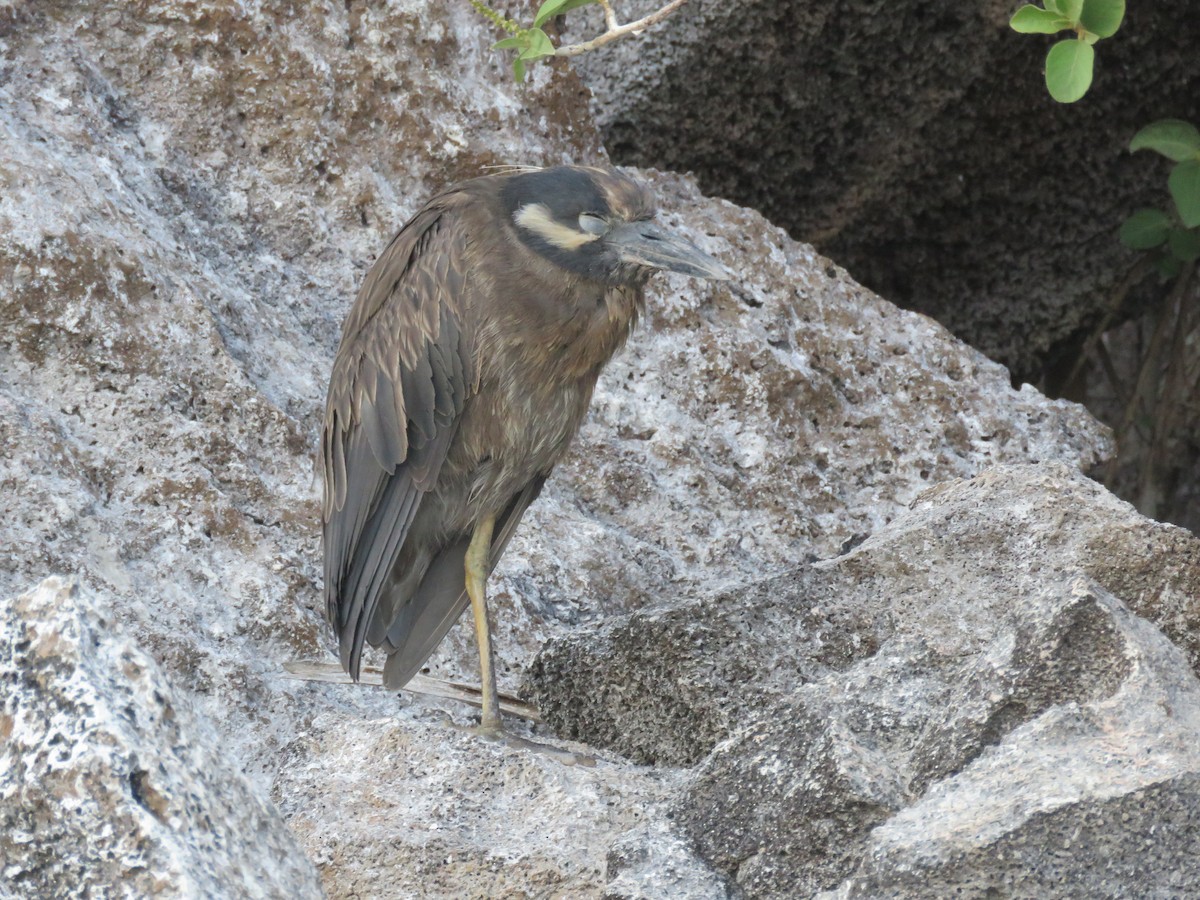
(600, 224)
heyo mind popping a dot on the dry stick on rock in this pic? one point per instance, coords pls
(332, 673)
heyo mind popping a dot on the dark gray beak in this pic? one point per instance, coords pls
(646, 244)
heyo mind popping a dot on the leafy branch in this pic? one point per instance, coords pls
(1153, 424)
(1070, 62)
(1175, 238)
(533, 43)
(1154, 420)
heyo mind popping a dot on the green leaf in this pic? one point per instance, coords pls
(1070, 9)
(1069, 70)
(552, 8)
(1184, 244)
(1145, 229)
(1173, 138)
(1032, 20)
(1184, 183)
(509, 43)
(1102, 17)
(1168, 266)
(1052, 5)
(539, 45)
(519, 70)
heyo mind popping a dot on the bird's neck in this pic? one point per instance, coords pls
(598, 330)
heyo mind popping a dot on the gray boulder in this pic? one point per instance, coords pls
(967, 702)
(191, 194)
(914, 144)
(108, 783)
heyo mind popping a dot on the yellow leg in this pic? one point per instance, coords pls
(477, 569)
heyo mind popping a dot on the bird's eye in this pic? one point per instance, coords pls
(592, 224)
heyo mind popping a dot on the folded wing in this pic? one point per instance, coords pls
(403, 373)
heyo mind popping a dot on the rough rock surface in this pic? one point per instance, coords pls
(418, 807)
(191, 192)
(107, 782)
(914, 144)
(975, 701)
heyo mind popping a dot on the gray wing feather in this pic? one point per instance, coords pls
(385, 433)
(419, 392)
(441, 597)
(402, 375)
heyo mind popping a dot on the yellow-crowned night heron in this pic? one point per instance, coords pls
(466, 367)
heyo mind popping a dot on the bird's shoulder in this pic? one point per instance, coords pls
(411, 312)
(422, 266)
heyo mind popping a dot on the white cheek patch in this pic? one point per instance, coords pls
(536, 217)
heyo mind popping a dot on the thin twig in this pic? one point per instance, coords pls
(1110, 372)
(1116, 300)
(1167, 405)
(1149, 366)
(618, 31)
(1148, 496)
(610, 16)
(1140, 383)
